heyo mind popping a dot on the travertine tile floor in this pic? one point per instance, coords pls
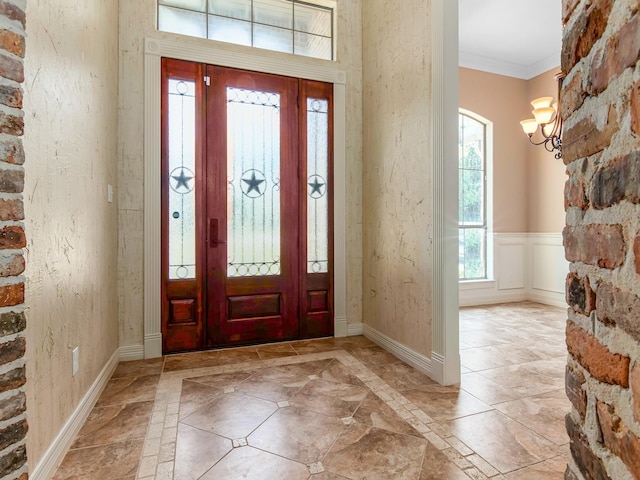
(334, 409)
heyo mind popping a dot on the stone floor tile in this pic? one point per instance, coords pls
(186, 361)
(138, 368)
(375, 413)
(444, 403)
(297, 434)
(252, 464)
(329, 398)
(544, 414)
(381, 454)
(197, 451)
(128, 390)
(552, 469)
(504, 443)
(116, 460)
(113, 424)
(232, 415)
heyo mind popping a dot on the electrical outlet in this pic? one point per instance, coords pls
(75, 360)
(110, 193)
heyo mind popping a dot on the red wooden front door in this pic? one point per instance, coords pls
(246, 207)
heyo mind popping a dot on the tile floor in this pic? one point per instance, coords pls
(334, 409)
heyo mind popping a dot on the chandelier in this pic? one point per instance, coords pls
(549, 120)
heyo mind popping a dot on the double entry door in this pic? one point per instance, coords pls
(246, 207)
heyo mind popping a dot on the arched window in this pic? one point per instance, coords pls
(473, 211)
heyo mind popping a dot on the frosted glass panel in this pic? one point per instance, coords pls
(272, 38)
(253, 175)
(288, 26)
(230, 30)
(313, 46)
(198, 5)
(240, 9)
(182, 167)
(312, 20)
(278, 13)
(180, 21)
(318, 175)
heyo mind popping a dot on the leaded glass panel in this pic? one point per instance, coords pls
(290, 26)
(253, 176)
(182, 167)
(317, 182)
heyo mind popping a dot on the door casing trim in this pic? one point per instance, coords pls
(154, 50)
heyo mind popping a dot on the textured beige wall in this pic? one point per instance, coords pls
(137, 21)
(397, 171)
(545, 174)
(70, 108)
(504, 101)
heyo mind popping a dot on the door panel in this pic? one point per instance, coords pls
(246, 207)
(253, 194)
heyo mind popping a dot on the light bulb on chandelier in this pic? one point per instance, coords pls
(548, 119)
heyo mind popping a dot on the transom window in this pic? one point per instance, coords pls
(472, 198)
(289, 26)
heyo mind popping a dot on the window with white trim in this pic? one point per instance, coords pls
(473, 213)
(291, 26)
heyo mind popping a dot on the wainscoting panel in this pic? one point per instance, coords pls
(527, 266)
(511, 255)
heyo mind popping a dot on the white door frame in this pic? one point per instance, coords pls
(154, 50)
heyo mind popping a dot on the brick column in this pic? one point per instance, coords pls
(13, 423)
(601, 147)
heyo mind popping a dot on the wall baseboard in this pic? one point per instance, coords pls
(500, 297)
(131, 352)
(554, 299)
(47, 465)
(354, 329)
(417, 360)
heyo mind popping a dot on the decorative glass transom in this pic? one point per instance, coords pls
(182, 197)
(317, 176)
(291, 26)
(253, 176)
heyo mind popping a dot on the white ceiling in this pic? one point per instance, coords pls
(518, 38)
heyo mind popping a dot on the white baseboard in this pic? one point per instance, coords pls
(493, 299)
(131, 352)
(354, 329)
(340, 327)
(545, 297)
(404, 353)
(46, 467)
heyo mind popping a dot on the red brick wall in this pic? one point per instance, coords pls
(601, 148)
(13, 423)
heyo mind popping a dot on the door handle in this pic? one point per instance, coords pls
(213, 233)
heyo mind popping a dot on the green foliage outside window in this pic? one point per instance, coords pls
(471, 200)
